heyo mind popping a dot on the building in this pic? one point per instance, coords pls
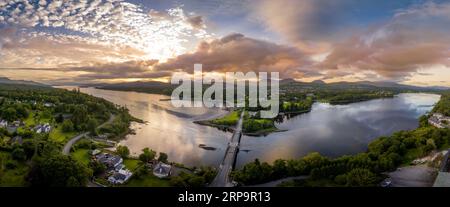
(3, 123)
(162, 170)
(120, 177)
(439, 121)
(111, 161)
(48, 104)
(45, 128)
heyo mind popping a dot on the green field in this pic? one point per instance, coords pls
(131, 164)
(59, 136)
(229, 120)
(82, 156)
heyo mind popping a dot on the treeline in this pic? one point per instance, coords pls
(443, 106)
(38, 160)
(364, 169)
(297, 105)
(351, 96)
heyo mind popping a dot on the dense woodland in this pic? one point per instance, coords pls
(38, 160)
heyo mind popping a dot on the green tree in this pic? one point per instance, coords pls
(9, 114)
(58, 170)
(18, 154)
(123, 151)
(59, 118)
(361, 178)
(163, 157)
(67, 126)
(92, 125)
(97, 167)
(147, 155)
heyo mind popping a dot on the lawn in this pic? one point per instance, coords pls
(14, 177)
(131, 164)
(82, 156)
(59, 136)
(148, 180)
(30, 120)
(229, 119)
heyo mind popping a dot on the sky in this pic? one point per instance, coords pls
(93, 41)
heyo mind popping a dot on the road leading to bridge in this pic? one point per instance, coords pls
(222, 178)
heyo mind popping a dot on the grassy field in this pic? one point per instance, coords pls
(82, 156)
(30, 120)
(59, 136)
(131, 164)
(148, 181)
(229, 120)
(12, 176)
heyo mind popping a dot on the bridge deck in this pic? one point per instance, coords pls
(222, 178)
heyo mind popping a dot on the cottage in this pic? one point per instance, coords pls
(111, 161)
(46, 128)
(3, 123)
(48, 104)
(162, 170)
(120, 176)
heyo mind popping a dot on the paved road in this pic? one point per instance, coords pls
(222, 178)
(68, 146)
(413, 176)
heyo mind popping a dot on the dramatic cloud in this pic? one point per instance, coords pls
(114, 21)
(236, 52)
(413, 39)
(302, 21)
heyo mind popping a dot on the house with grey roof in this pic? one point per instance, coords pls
(162, 170)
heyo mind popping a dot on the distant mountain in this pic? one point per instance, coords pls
(139, 86)
(4, 80)
(362, 84)
(318, 82)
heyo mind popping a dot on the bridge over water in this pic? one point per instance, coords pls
(222, 178)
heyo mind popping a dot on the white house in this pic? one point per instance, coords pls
(120, 176)
(46, 128)
(3, 123)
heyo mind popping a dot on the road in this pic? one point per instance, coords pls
(222, 178)
(71, 142)
(413, 176)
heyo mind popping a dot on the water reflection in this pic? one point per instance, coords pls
(330, 130)
(338, 130)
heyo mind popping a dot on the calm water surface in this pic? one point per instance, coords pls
(330, 130)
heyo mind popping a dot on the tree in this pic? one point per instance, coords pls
(80, 116)
(58, 170)
(123, 151)
(92, 125)
(18, 154)
(163, 157)
(9, 114)
(97, 167)
(147, 155)
(59, 118)
(67, 126)
(361, 178)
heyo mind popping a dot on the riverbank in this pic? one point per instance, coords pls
(384, 154)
